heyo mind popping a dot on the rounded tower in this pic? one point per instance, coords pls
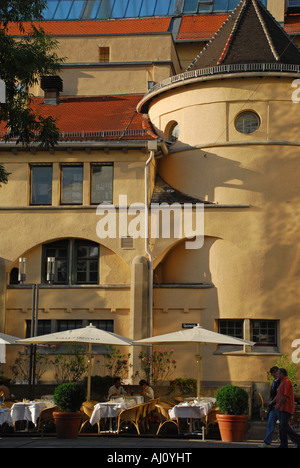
(231, 125)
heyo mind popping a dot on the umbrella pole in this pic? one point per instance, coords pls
(89, 372)
(198, 360)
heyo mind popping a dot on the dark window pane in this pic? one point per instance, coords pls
(87, 263)
(43, 328)
(107, 325)
(41, 185)
(264, 332)
(63, 325)
(72, 177)
(59, 250)
(231, 327)
(102, 183)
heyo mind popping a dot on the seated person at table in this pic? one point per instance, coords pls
(5, 390)
(147, 391)
(116, 389)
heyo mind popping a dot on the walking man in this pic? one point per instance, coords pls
(285, 407)
(272, 413)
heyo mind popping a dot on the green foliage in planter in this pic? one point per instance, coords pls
(232, 400)
(185, 386)
(69, 396)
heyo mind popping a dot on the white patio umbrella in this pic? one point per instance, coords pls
(197, 335)
(6, 340)
(89, 335)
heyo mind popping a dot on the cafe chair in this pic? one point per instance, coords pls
(131, 415)
(263, 409)
(87, 409)
(163, 412)
(210, 420)
(46, 419)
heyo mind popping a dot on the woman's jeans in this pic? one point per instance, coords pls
(273, 417)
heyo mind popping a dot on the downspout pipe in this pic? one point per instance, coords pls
(152, 148)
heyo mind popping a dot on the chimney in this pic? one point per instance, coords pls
(52, 86)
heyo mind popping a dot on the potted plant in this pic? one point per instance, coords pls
(233, 404)
(69, 398)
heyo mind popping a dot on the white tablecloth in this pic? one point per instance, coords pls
(5, 416)
(139, 399)
(27, 411)
(110, 409)
(192, 410)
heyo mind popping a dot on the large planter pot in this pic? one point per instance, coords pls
(232, 427)
(67, 424)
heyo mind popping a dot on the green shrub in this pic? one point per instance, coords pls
(232, 400)
(69, 396)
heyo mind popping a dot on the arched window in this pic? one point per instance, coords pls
(172, 132)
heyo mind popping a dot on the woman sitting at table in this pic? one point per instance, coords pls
(116, 389)
(147, 391)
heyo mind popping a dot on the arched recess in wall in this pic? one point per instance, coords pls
(182, 265)
(77, 261)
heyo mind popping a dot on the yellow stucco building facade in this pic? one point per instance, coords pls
(218, 129)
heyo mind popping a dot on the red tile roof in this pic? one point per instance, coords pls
(97, 118)
(69, 28)
(200, 27)
(292, 24)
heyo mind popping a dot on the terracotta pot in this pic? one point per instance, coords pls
(67, 424)
(232, 427)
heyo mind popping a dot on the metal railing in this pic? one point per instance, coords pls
(93, 135)
(224, 69)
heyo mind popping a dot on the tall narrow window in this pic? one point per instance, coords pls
(103, 54)
(59, 250)
(41, 185)
(87, 263)
(71, 185)
(101, 183)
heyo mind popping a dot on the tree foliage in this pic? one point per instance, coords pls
(24, 58)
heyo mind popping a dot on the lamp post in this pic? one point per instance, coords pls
(35, 310)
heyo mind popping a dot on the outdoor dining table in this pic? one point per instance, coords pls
(110, 409)
(191, 410)
(28, 410)
(5, 416)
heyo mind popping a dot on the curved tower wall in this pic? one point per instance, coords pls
(254, 179)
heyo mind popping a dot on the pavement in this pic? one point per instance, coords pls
(134, 449)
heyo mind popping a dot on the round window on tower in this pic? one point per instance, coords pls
(247, 122)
